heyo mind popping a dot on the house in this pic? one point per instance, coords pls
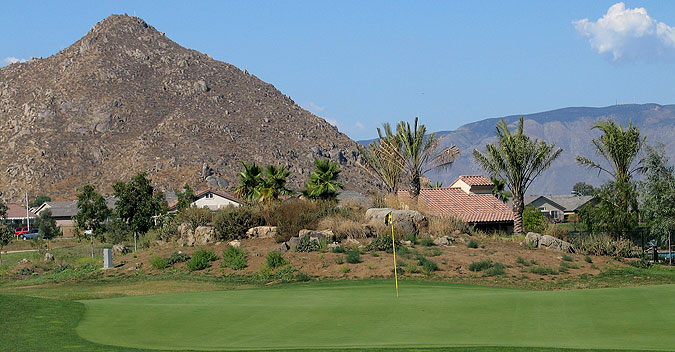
(210, 198)
(17, 214)
(559, 208)
(64, 211)
(468, 199)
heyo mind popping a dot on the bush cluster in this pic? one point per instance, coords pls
(543, 270)
(196, 217)
(472, 244)
(603, 245)
(159, 262)
(169, 229)
(232, 222)
(275, 259)
(201, 259)
(234, 258)
(382, 243)
(353, 256)
(307, 245)
(178, 257)
(428, 266)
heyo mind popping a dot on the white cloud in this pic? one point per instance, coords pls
(629, 35)
(333, 122)
(11, 60)
(359, 125)
(314, 108)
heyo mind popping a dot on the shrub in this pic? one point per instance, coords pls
(169, 229)
(522, 261)
(447, 225)
(604, 245)
(428, 266)
(481, 265)
(533, 219)
(588, 259)
(295, 215)
(382, 243)
(201, 259)
(117, 231)
(26, 271)
(345, 269)
(275, 259)
(232, 222)
(234, 258)
(307, 245)
(196, 217)
(353, 257)
(426, 241)
(472, 244)
(568, 265)
(543, 270)
(159, 262)
(342, 227)
(178, 257)
(339, 260)
(567, 258)
(496, 270)
(411, 237)
(338, 249)
(557, 231)
(432, 252)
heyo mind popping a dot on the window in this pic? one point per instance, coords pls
(209, 196)
(554, 214)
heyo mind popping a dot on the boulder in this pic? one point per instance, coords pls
(532, 239)
(185, 235)
(407, 243)
(351, 242)
(323, 235)
(235, 243)
(292, 243)
(332, 246)
(405, 221)
(443, 241)
(262, 232)
(119, 249)
(24, 261)
(203, 235)
(49, 257)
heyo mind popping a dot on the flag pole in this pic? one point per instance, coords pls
(388, 220)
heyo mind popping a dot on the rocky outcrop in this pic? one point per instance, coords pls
(119, 249)
(537, 240)
(262, 232)
(49, 257)
(197, 237)
(405, 221)
(443, 241)
(315, 236)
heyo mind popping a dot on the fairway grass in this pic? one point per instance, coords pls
(367, 314)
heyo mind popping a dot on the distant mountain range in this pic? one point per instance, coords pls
(568, 128)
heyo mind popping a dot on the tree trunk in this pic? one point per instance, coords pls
(135, 245)
(92, 244)
(518, 208)
(415, 184)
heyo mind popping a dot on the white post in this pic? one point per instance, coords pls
(27, 219)
(670, 253)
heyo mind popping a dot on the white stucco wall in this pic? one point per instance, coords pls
(214, 203)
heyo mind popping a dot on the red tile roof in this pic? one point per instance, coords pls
(475, 180)
(15, 211)
(472, 208)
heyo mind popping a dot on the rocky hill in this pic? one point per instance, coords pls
(568, 128)
(125, 99)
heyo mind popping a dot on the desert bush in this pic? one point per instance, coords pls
(568, 265)
(234, 258)
(557, 231)
(339, 261)
(426, 241)
(159, 262)
(307, 245)
(345, 269)
(588, 259)
(342, 227)
(447, 225)
(567, 258)
(178, 257)
(169, 229)
(275, 259)
(382, 243)
(195, 217)
(533, 219)
(428, 266)
(298, 214)
(603, 245)
(232, 222)
(432, 252)
(353, 257)
(522, 261)
(543, 270)
(338, 249)
(411, 237)
(472, 244)
(495, 270)
(26, 271)
(201, 259)
(481, 265)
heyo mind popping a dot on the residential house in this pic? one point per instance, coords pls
(18, 215)
(210, 198)
(468, 198)
(559, 208)
(64, 211)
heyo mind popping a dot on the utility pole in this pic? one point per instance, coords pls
(27, 218)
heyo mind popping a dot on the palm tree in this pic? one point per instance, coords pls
(273, 183)
(418, 155)
(619, 147)
(322, 184)
(381, 159)
(517, 160)
(249, 182)
(498, 190)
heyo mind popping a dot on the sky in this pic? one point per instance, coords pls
(359, 64)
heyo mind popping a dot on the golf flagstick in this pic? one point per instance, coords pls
(388, 221)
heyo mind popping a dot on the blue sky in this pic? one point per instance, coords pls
(361, 63)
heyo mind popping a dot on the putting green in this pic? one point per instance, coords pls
(367, 314)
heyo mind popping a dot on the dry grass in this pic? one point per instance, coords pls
(342, 228)
(447, 225)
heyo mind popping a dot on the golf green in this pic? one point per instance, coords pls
(368, 314)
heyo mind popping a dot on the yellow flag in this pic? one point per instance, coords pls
(388, 221)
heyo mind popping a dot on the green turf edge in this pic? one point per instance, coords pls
(39, 324)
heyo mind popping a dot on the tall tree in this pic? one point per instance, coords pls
(583, 189)
(658, 194)
(418, 153)
(6, 231)
(249, 182)
(322, 183)
(92, 213)
(518, 160)
(138, 204)
(382, 158)
(46, 225)
(39, 201)
(273, 183)
(185, 198)
(621, 150)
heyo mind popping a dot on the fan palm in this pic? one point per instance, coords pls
(323, 184)
(517, 160)
(273, 183)
(249, 182)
